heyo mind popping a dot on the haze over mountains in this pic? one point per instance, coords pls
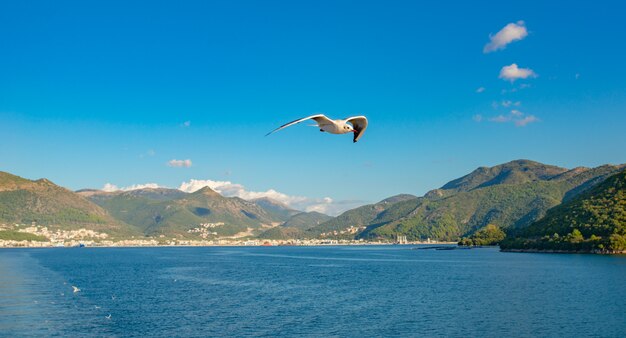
(512, 196)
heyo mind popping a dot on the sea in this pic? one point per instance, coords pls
(327, 291)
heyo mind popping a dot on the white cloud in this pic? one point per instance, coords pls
(509, 103)
(480, 89)
(517, 117)
(186, 124)
(513, 72)
(526, 120)
(515, 89)
(229, 189)
(477, 117)
(500, 119)
(179, 163)
(112, 187)
(511, 32)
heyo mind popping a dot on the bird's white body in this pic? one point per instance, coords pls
(337, 127)
(355, 124)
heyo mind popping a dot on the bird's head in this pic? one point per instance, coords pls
(348, 128)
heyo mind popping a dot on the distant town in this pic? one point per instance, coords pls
(47, 238)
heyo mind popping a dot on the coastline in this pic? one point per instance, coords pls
(553, 251)
(254, 243)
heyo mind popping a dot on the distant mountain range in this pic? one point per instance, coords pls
(511, 196)
(173, 212)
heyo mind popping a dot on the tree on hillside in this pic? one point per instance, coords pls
(489, 235)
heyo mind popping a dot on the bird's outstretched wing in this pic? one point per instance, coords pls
(321, 119)
(359, 123)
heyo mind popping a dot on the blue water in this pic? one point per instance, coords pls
(309, 291)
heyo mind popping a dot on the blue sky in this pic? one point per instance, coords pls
(110, 92)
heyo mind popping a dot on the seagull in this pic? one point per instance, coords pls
(354, 124)
(75, 289)
(108, 317)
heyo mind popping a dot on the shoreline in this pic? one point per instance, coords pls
(555, 251)
(48, 245)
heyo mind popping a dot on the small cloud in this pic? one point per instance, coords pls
(526, 120)
(477, 118)
(480, 89)
(577, 76)
(513, 72)
(150, 153)
(179, 163)
(186, 124)
(515, 89)
(509, 103)
(500, 119)
(517, 117)
(110, 187)
(511, 32)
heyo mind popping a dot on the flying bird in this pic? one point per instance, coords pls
(354, 124)
(75, 289)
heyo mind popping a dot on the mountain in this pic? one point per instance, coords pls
(170, 212)
(358, 217)
(592, 221)
(24, 201)
(161, 194)
(514, 172)
(276, 209)
(511, 195)
(282, 233)
(295, 226)
(306, 220)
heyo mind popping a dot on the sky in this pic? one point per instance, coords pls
(121, 94)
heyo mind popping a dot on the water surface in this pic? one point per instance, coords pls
(309, 291)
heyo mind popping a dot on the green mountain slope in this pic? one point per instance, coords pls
(513, 195)
(277, 210)
(358, 217)
(295, 226)
(513, 173)
(23, 201)
(306, 220)
(593, 220)
(280, 232)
